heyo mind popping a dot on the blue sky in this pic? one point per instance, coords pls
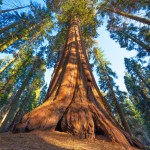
(114, 54)
(111, 49)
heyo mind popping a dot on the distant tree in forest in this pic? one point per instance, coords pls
(130, 37)
(32, 72)
(134, 117)
(107, 84)
(136, 81)
(119, 8)
(122, 30)
(119, 101)
(25, 27)
(138, 71)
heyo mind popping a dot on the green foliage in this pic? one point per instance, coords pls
(106, 78)
(136, 109)
(67, 10)
(138, 71)
(103, 70)
(137, 83)
(128, 36)
(39, 19)
(128, 6)
(136, 122)
(122, 29)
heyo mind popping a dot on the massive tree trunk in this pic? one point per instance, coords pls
(74, 103)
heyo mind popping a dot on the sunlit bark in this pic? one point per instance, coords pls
(8, 43)
(74, 103)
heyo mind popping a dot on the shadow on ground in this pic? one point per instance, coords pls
(45, 140)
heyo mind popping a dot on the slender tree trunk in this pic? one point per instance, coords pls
(3, 109)
(16, 37)
(73, 103)
(140, 19)
(9, 27)
(10, 81)
(8, 43)
(119, 110)
(13, 9)
(15, 119)
(140, 43)
(9, 63)
(19, 53)
(15, 101)
(19, 113)
(144, 96)
(138, 74)
(110, 111)
(121, 115)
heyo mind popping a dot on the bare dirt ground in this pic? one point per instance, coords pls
(45, 140)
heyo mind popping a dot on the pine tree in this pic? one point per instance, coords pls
(139, 98)
(137, 71)
(105, 73)
(5, 123)
(114, 7)
(129, 37)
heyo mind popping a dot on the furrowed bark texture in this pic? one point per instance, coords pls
(73, 102)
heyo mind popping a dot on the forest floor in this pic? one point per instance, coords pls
(45, 140)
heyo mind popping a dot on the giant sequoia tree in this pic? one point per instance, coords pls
(73, 101)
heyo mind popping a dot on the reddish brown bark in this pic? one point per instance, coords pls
(73, 102)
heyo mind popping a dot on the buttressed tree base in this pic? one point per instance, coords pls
(74, 103)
